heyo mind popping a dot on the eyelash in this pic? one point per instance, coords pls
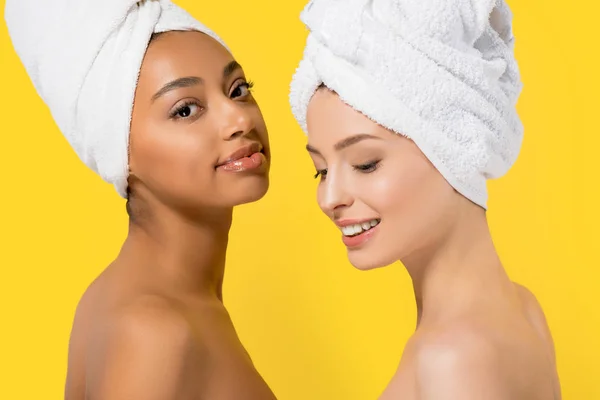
(363, 168)
(187, 103)
(321, 172)
(248, 85)
(174, 114)
(368, 167)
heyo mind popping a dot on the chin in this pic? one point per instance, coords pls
(367, 259)
(250, 192)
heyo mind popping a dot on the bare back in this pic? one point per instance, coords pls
(492, 353)
(141, 342)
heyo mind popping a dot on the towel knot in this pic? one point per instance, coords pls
(327, 18)
(454, 22)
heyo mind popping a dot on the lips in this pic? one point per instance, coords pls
(246, 158)
(245, 151)
(356, 233)
(353, 228)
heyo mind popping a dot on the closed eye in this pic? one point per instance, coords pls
(369, 167)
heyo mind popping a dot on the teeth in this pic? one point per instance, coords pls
(353, 230)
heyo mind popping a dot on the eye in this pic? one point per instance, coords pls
(185, 110)
(367, 168)
(242, 90)
(322, 173)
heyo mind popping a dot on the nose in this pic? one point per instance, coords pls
(236, 120)
(334, 195)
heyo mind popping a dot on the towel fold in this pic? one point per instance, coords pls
(84, 58)
(440, 72)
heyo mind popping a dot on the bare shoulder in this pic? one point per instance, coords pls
(531, 304)
(460, 362)
(529, 300)
(150, 318)
(146, 350)
(536, 317)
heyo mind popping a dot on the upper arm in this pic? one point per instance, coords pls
(144, 357)
(460, 371)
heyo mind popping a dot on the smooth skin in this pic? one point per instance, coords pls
(153, 325)
(478, 335)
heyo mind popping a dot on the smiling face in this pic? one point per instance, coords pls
(377, 186)
(198, 138)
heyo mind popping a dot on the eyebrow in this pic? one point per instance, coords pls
(190, 81)
(349, 141)
(230, 69)
(179, 83)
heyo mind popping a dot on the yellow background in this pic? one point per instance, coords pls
(316, 328)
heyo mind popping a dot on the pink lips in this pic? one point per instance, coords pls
(246, 158)
(359, 240)
(353, 242)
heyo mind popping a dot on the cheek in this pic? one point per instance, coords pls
(395, 186)
(172, 157)
(405, 193)
(412, 199)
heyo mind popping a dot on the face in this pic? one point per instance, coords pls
(197, 138)
(388, 200)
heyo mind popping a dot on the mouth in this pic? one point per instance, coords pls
(356, 233)
(248, 157)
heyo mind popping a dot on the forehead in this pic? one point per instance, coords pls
(173, 55)
(329, 119)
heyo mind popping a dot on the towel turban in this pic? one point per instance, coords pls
(84, 58)
(440, 72)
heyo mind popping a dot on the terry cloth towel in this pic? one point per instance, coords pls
(84, 58)
(440, 72)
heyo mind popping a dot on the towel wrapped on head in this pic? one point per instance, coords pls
(84, 58)
(440, 72)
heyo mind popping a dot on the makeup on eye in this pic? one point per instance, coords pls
(190, 108)
(366, 168)
(186, 109)
(242, 84)
(321, 172)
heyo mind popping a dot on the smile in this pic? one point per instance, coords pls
(356, 233)
(357, 229)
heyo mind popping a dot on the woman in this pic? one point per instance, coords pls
(409, 107)
(194, 145)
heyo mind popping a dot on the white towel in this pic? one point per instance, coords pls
(440, 72)
(84, 57)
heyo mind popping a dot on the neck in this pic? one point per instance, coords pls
(182, 252)
(457, 271)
